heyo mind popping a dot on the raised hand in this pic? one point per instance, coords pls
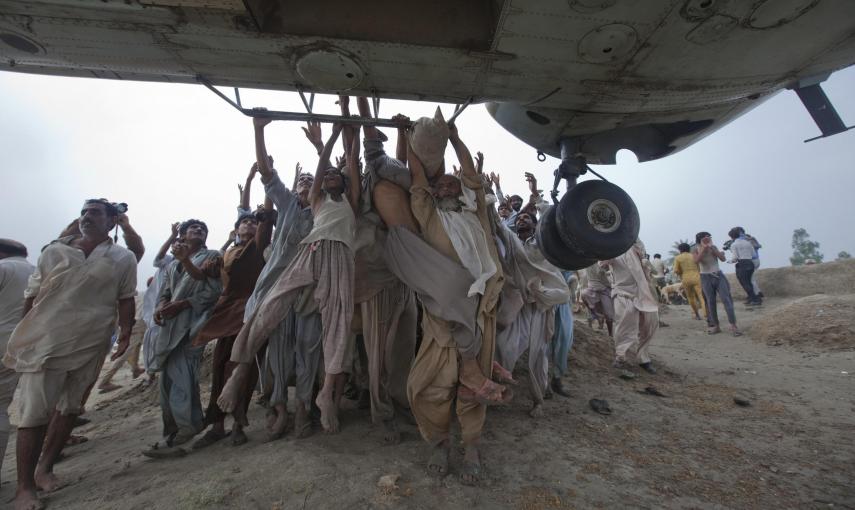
(175, 226)
(532, 183)
(314, 134)
(479, 162)
(401, 121)
(212, 267)
(180, 251)
(124, 221)
(494, 178)
(455, 170)
(260, 122)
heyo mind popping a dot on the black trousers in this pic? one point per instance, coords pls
(744, 270)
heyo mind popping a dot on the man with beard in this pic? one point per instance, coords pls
(184, 305)
(455, 272)
(238, 270)
(540, 288)
(636, 308)
(14, 273)
(58, 348)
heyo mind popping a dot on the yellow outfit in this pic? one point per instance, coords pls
(690, 275)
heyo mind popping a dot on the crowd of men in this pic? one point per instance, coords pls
(422, 287)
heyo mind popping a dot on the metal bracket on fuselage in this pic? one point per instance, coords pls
(821, 110)
(307, 116)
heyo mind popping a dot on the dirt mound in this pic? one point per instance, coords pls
(817, 322)
(797, 281)
(592, 348)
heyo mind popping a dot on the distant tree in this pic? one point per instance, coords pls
(676, 251)
(843, 255)
(804, 248)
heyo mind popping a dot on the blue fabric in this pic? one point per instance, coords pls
(562, 341)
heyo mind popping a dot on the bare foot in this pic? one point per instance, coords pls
(279, 427)
(231, 391)
(28, 500)
(302, 423)
(271, 417)
(329, 413)
(391, 435)
(471, 472)
(108, 387)
(47, 482)
(536, 411)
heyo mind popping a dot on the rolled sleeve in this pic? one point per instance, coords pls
(278, 193)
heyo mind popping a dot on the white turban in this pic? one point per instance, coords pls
(429, 139)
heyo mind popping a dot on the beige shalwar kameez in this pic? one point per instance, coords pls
(59, 347)
(636, 309)
(434, 378)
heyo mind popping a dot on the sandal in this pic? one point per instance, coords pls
(438, 459)
(601, 406)
(208, 439)
(714, 331)
(165, 452)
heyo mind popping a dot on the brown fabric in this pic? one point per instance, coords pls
(241, 266)
(389, 326)
(434, 378)
(221, 370)
(328, 264)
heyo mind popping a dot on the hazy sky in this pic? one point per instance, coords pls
(177, 151)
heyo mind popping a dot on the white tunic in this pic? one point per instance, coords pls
(75, 307)
(14, 273)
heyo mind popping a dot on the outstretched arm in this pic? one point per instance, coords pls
(416, 168)
(371, 132)
(467, 167)
(353, 169)
(245, 189)
(347, 135)
(166, 244)
(132, 240)
(262, 160)
(323, 164)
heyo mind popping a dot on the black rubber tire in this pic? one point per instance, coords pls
(577, 231)
(553, 248)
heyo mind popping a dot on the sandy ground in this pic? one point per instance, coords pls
(792, 448)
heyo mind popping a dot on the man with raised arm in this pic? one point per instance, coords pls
(455, 272)
(239, 268)
(162, 260)
(294, 344)
(388, 307)
(81, 283)
(184, 305)
(537, 287)
(325, 260)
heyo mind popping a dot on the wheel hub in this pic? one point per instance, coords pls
(604, 216)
